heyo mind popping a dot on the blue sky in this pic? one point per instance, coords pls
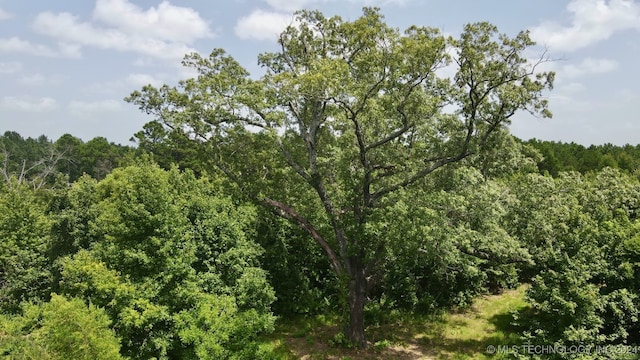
(65, 66)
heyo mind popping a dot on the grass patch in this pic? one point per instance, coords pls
(464, 334)
(488, 322)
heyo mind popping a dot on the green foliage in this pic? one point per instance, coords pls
(346, 115)
(505, 155)
(71, 212)
(449, 245)
(96, 158)
(86, 277)
(297, 269)
(171, 263)
(28, 161)
(58, 329)
(170, 148)
(340, 340)
(25, 269)
(42, 163)
(584, 285)
(559, 157)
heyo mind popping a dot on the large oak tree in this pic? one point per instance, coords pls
(345, 116)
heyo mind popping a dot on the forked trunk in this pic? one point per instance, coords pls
(357, 298)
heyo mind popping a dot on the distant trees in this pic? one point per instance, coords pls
(96, 158)
(559, 157)
(169, 148)
(41, 162)
(31, 161)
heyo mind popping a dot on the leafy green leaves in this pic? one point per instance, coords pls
(59, 329)
(585, 289)
(347, 114)
(25, 270)
(165, 252)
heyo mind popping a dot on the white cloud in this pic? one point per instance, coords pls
(17, 45)
(262, 25)
(66, 27)
(69, 50)
(629, 95)
(140, 80)
(38, 80)
(144, 62)
(10, 67)
(33, 80)
(588, 66)
(83, 108)
(592, 21)
(289, 5)
(292, 5)
(28, 104)
(267, 25)
(379, 2)
(162, 32)
(123, 86)
(166, 22)
(4, 15)
(572, 88)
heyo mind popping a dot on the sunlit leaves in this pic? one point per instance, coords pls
(578, 227)
(25, 270)
(59, 329)
(161, 244)
(345, 115)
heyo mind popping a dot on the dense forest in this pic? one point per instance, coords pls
(246, 202)
(561, 157)
(143, 260)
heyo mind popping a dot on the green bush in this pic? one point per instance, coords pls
(173, 264)
(25, 269)
(59, 329)
(581, 230)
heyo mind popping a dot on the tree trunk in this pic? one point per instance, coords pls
(357, 298)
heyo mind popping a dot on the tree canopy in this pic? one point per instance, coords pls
(346, 115)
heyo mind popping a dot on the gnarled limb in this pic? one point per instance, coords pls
(289, 213)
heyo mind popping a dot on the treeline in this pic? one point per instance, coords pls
(558, 157)
(42, 161)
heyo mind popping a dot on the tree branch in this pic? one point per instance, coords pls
(287, 156)
(419, 175)
(289, 213)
